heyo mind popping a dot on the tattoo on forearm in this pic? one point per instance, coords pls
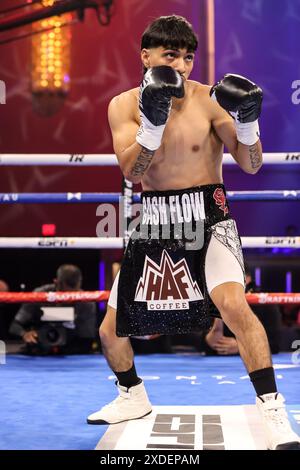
(255, 157)
(143, 161)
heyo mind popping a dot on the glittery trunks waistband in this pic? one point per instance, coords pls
(205, 203)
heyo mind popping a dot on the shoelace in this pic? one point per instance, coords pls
(279, 419)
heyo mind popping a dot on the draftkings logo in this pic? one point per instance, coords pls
(167, 286)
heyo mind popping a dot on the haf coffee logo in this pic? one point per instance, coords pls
(167, 286)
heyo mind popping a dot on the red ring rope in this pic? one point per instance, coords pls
(54, 297)
(97, 296)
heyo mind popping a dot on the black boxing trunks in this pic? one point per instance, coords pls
(162, 286)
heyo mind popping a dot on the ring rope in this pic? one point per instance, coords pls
(114, 198)
(96, 296)
(111, 159)
(117, 242)
(57, 297)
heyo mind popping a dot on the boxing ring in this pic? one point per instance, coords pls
(77, 197)
(198, 381)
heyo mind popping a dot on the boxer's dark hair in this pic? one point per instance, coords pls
(173, 32)
(69, 275)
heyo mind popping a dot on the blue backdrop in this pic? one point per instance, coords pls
(260, 39)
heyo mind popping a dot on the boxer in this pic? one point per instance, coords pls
(169, 135)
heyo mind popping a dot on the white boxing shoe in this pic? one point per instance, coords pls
(132, 403)
(278, 432)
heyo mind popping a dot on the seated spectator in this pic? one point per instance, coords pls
(290, 327)
(75, 335)
(3, 286)
(3, 312)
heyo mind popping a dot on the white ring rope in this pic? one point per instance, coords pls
(7, 159)
(117, 242)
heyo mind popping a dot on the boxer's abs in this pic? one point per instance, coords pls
(184, 161)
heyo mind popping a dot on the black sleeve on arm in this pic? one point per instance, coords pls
(25, 318)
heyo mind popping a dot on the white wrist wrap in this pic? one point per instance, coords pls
(149, 135)
(247, 133)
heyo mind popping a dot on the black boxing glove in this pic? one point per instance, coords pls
(242, 99)
(160, 84)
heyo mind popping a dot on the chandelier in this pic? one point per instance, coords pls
(50, 62)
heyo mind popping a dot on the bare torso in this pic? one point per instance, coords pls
(191, 152)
